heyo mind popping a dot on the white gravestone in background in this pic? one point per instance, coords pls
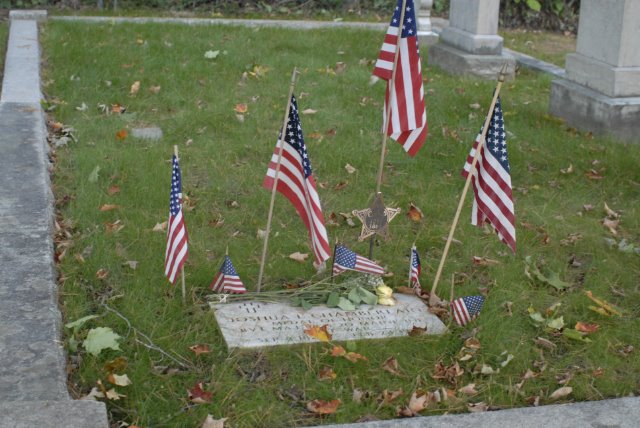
(257, 324)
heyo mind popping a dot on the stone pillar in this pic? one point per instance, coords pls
(426, 35)
(471, 45)
(601, 91)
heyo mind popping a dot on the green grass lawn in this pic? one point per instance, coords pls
(562, 179)
(549, 47)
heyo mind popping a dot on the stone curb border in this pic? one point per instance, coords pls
(33, 387)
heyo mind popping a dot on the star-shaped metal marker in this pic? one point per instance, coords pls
(376, 218)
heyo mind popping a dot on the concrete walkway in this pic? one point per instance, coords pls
(33, 385)
(33, 388)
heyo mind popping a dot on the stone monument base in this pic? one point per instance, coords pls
(458, 62)
(589, 110)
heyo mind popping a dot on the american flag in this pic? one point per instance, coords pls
(227, 279)
(408, 113)
(416, 268)
(345, 259)
(177, 251)
(297, 184)
(466, 309)
(493, 201)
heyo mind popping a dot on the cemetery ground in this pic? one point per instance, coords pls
(219, 93)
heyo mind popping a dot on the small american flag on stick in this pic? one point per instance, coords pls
(466, 309)
(227, 279)
(416, 268)
(493, 200)
(295, 181)
(345, 259)
(408, 124)
(177, 246)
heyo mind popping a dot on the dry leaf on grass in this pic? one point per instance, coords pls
(200, 349)
(134, 88)
(414, 213)
(612, 225)
(102, 273)
(241, 108)
(350, 169)
(391, 365)
(478, 407)
(469, 389)
(299, 257)
(198, 395)
(322, 407)
(561, 392)
(160, 227)
(484, 261)
(113, 189)
(417, 403)
(339, 351)
(119, 380)
(109, 207)
(387, 396)
(209, 422)
(309, 111)
(586, 327)
(326, 373)
(121, 135)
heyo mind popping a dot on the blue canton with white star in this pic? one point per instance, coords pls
(496, 139)
(175, 198)
(345, 257)
(416, 259)
(473, 304)
(294, 136)
(409, 27)
(227, 267)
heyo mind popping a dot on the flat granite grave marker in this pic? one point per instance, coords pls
(256, 324)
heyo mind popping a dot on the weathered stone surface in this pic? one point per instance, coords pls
(256, 324)
(461, 63)
(53, 414)
(31, 15)
(588, 110)
(473, 27)
(617, 413)
(149, 133)
(21, 82)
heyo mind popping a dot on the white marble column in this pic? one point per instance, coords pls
(471, 44)
(601, 92)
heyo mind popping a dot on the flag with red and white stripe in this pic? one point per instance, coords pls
(408, 124)
(177, 246)
(227, 279)
(295, 181)
(466, 309)
(345, 259)
(493, 200)
(416, 268)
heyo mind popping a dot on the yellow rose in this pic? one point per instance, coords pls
(386, 301)
(384, 291)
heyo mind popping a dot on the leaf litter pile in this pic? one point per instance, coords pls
(560, 318)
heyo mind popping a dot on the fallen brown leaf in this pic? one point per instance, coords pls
(586, 327)
(200, 349)
(299, 257)
(113, 189)
(198, 395)
(209, 422)
(102, 273)
(326, 373)
(484, 261)
(322, 407)
(320, 333)
(469, 389)
(391, 365)
(560, 393)
(387, 396)
(109, 207)
(478, 407)
(612, 225)
(160, 227)
(134, 88)
(414, 213)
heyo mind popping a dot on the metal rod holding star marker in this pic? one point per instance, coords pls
(294, 75)
(184, 287)
(387, 118)
(433, 299)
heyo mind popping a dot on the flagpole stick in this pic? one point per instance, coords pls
(392, 88)
(333, 259)
(184, 287)
(453, 275)
(275, 179)
(433, 299)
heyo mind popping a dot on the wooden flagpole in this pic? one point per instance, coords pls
(387, 115)
(184, 287)
(333, 259)
(433, 299)
(275, 179)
